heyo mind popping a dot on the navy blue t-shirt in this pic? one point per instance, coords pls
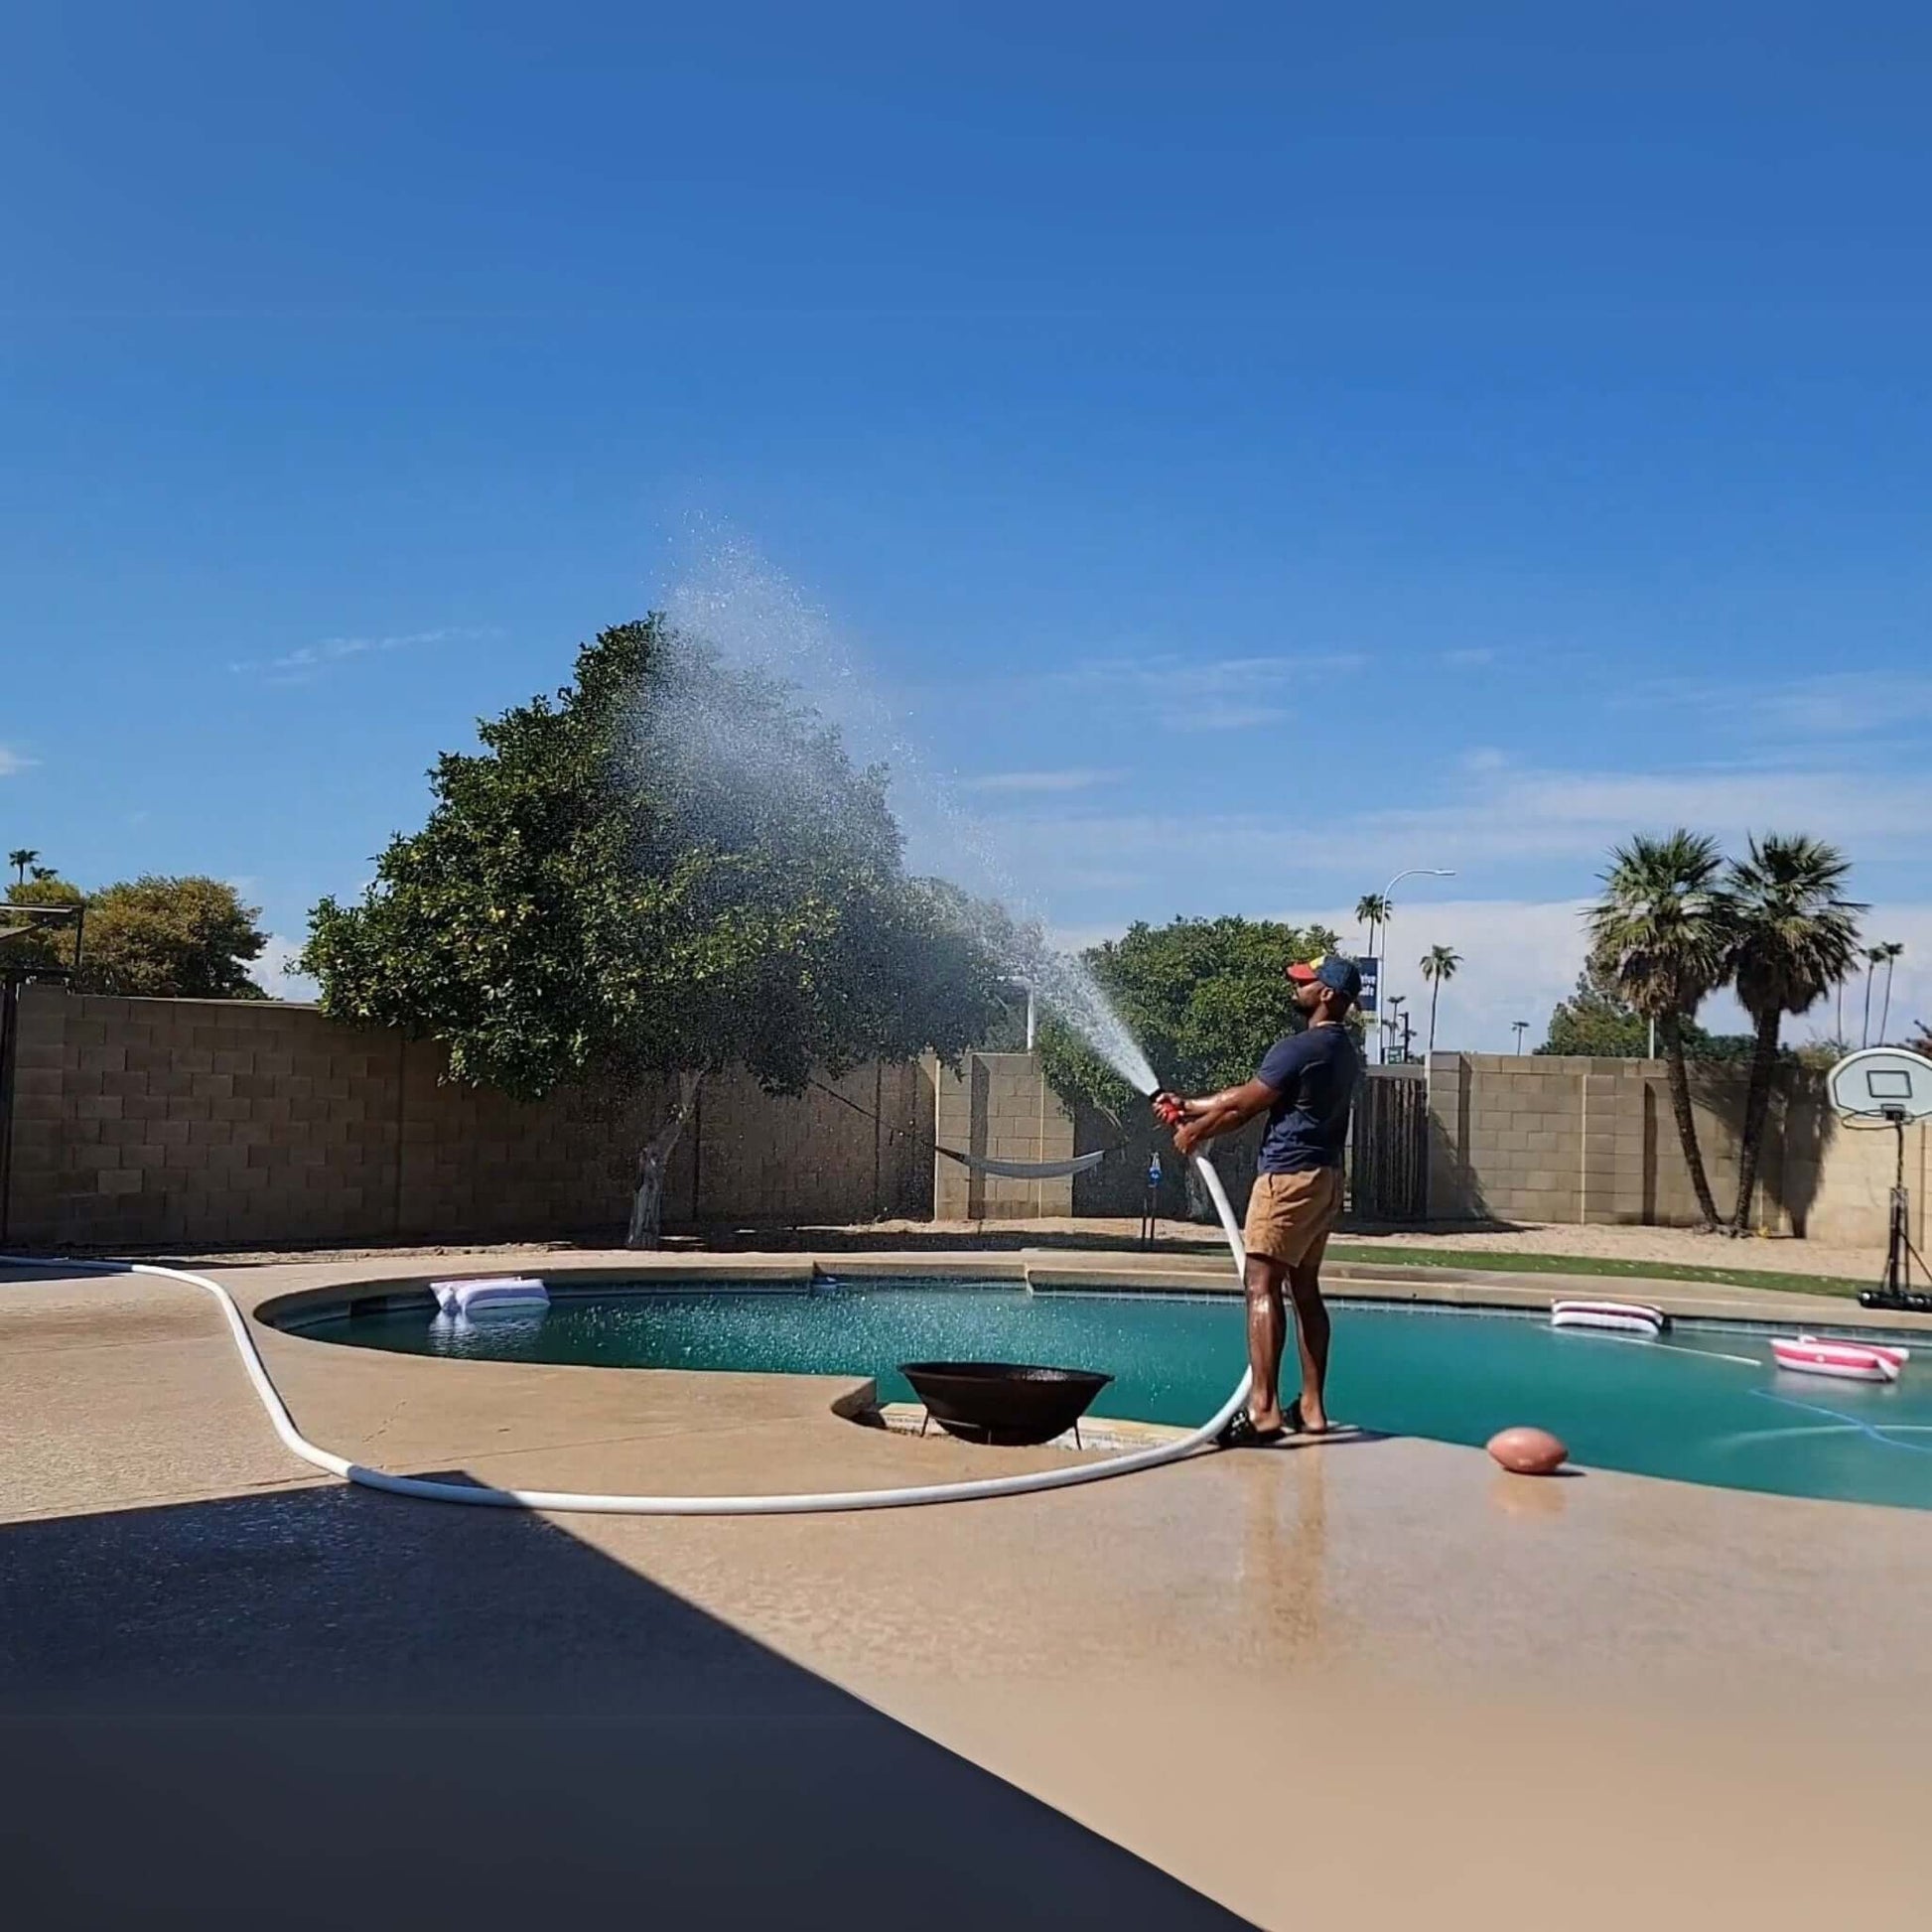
(1315, 1075)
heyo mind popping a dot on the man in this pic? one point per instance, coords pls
(1306, 1086)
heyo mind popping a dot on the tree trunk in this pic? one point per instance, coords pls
(1757, 1101)
(1885, 1012)
(1435, 993)
(1686, 1128)
(647, 1199)
(1866, 1038)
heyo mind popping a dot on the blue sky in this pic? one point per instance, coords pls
(1254, 448)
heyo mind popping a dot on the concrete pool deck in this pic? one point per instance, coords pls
(1371, 1680)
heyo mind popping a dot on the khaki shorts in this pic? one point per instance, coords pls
(1289, 1215)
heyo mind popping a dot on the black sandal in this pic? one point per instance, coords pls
(1296, 1426)
(1239, 1432)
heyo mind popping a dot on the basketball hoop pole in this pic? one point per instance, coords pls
(1887, 1086)
(1895, 1290)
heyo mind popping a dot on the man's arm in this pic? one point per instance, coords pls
(1216, 1114)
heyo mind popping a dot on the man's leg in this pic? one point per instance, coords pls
(1267, 1332)
(1310, 1339)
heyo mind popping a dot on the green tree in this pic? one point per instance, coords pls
(1439, 963)
(1661, 934)
(1795, 936)
(184, 938)
(20, 858)
(1597, 1018)
(1597, 1021)
(670, 869)
(36, 946)
(1205, 998)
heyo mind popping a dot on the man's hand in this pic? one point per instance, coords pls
(1195, 1121)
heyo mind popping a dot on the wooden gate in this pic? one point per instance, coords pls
(1388, 1147)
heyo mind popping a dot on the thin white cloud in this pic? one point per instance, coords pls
(309, 661)
(1079, 778)
(13, 763)
(274, 972)
(1168, 673)
(1470, 660)
(1847, 704)
(1215, 694)
(1223, 717)
(1828, 708)
(1497, 820)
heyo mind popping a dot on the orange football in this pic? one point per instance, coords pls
(1526, 1451)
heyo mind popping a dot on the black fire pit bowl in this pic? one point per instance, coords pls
(1011, 1403)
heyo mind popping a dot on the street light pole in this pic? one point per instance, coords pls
(1522, 1027)
(1388, 917)
(1021, 979)
(1398, 1025)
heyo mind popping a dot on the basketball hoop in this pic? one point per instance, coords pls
(1880, 1087)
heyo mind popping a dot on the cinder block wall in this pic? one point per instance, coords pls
(1536, 1138)
(997, 1106)
(144, 1123)
(156, 1123)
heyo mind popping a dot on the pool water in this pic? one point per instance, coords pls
(1703, 1405)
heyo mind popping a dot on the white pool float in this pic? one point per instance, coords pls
(1849, 1361)
(1614, 1317)
(491, 1295)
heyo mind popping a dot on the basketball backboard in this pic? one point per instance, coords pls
(1880, 1086)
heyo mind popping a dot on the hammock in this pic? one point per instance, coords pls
(1026, 1170)
(1005, 1170)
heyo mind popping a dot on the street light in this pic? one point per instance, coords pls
(1388, 920)
(1021, 979)
(1521, 1026)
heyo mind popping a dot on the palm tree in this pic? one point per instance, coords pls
(20, 859)
(1437, 964)
(1660, 933)
(1892, 949)
(1795, 936)
(1872, 957)
(1372, 910)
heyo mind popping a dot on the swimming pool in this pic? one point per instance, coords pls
(1703, 1405)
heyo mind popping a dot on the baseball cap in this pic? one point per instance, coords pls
(1341, 975)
